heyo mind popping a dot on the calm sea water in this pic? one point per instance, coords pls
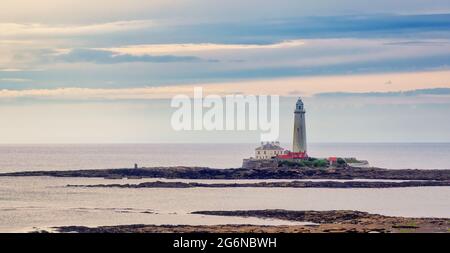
(99, 156)
(31, 203)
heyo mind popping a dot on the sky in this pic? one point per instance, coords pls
(105, 71)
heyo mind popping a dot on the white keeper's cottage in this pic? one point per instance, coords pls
(267, 150)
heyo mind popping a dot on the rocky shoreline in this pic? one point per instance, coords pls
(292, 184)
(242, 173)
(335, 221)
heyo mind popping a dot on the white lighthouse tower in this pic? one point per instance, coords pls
(299, 142)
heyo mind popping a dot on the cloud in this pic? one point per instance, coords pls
(199, 47)
(408, 93)
(37, 29)
(283, 87)
(257, 49)
(105, 57)
(93, 67)
(418, 43)
(15, 80)
(92, 93)
(11, 70)
(405, 97)
(67, 11)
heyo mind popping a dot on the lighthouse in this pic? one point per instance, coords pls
(299, 142)
(269, 154)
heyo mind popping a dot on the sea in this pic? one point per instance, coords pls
(43, 203)
(101, 156)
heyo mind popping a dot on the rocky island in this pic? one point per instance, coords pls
(274, 172)
(288, 184)
(335, 221)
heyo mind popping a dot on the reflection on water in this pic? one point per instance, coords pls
(28, 202)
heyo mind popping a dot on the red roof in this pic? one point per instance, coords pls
(332, 159)
(293, 155)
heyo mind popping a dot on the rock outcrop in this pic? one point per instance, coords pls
(292, 184)
(240, 173)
